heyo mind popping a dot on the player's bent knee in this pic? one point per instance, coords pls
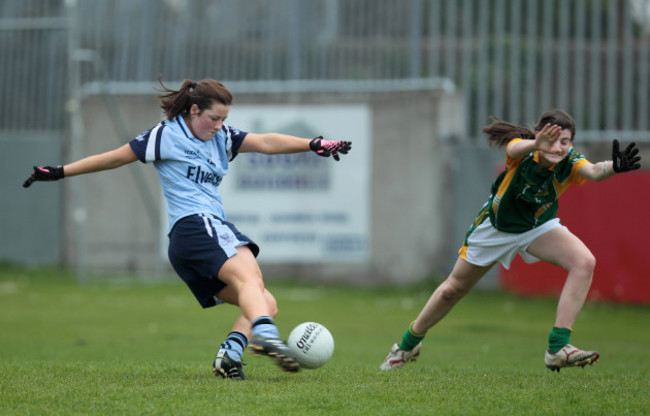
(590, 262)
(586, 263)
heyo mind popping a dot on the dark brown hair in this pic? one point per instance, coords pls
(204, 94)
(501, 132)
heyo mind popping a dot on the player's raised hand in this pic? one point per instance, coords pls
(326, 148)
(626, 160)
(547, 136)
(44, 173)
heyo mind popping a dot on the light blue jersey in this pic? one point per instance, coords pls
(190, 170)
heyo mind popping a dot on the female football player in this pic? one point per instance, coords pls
(520, 217)
(191, 151)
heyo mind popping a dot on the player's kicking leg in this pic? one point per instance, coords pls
(246, 290)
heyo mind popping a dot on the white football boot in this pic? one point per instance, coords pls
(570, 356)
(397, 358)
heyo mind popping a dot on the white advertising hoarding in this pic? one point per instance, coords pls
(303, 208)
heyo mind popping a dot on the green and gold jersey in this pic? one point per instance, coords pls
(525, 195)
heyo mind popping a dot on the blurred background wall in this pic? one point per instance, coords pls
(79, 76)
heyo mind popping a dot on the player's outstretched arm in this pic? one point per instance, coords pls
(276, 143)
(109, 160)
(622, 161)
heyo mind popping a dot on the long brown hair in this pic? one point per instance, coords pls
(501, 132)
(204, 94)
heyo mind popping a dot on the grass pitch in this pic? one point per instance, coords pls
(118, 347)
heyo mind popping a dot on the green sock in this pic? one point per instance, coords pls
(558, 338)
(411, 338)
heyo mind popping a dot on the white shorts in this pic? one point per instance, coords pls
(487, 245)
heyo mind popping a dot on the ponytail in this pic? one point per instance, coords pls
(204, 94)
(501, 132)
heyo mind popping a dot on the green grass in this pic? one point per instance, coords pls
(134, 348)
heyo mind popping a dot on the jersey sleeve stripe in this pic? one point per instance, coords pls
(158, 141)
(229, 151)
(153, 145)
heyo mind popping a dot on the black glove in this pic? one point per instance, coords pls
(326, 148)
(626, 160)
(44, 173)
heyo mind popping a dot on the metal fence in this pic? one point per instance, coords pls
(511, 58)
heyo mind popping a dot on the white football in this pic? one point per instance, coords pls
(311, 344)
